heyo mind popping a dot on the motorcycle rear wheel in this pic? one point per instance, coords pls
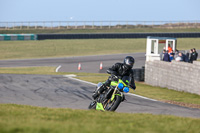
(92, 105)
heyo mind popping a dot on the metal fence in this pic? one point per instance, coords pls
(97, 24)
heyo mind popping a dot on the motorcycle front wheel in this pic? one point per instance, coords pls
(112, 105)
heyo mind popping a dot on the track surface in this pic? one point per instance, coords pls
(70, 64)
(62, 92)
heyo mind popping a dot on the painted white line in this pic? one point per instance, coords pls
(58, 68)
(80, 80)
(71, 77)
(141, 96)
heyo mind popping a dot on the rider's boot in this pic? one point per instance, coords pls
(99, 91)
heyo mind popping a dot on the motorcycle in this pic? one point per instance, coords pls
(110, 99)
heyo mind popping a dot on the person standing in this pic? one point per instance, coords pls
(190, 56)
(169, 48)
(195, 54)
(166, 56)
(176, 53)
(171, 56)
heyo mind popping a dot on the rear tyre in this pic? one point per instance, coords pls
(92, 105)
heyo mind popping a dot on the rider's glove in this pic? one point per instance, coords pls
(133, 87)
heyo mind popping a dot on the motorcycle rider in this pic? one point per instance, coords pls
(121, 70)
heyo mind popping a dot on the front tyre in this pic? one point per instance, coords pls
(112, 105)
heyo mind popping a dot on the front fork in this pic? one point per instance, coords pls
(113, 95)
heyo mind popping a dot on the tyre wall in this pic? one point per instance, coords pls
(115, 35)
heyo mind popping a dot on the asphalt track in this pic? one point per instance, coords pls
(89, 64)
(63, 92)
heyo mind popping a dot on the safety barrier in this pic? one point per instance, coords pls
(115, 35)
(139, 74)
(178, 76)
(8, 37)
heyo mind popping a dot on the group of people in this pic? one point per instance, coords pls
(192, 55)
(169, 55)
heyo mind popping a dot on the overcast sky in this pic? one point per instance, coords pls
(99, 10)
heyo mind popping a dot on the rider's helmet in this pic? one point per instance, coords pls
(129, 62)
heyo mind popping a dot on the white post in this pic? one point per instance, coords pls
(13, 25)
(67, 25)
(43, 24)
(21, 25)
(35, 25)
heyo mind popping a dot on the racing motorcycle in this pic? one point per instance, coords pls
(113, 95)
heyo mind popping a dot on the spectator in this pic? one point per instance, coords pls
(182, 57)
(176, 54)
(190, 56)
(171, 56)
(166, 56)
(179, 57)
(169, 48)
(185, 58)
(195, 54)
(162, 54)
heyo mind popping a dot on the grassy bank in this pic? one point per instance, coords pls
(27, 119)
(132, 30)
(162, 94)
(61, 48)
(80, 47)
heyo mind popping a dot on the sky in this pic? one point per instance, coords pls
(99, 10)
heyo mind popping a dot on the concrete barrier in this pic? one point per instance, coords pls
(9, 37)
(179, 76)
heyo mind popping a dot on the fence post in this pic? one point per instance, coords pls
(6, 26)
(43, 24)
(59, 26)
(67, 25)
(13, 25)
(84, 25)
(35, 25)
(76, 25)
(21, 25)
(28, 25)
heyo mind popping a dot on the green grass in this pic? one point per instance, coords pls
(28, 119)
(80, 47)
(124, 30)
(158, 93)
(61, 48)
(28, 70)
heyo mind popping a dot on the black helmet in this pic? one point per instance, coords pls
(129, 61)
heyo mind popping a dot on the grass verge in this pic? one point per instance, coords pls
(158, 93)
(80, 47)
(28, 119)
(131, 30)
